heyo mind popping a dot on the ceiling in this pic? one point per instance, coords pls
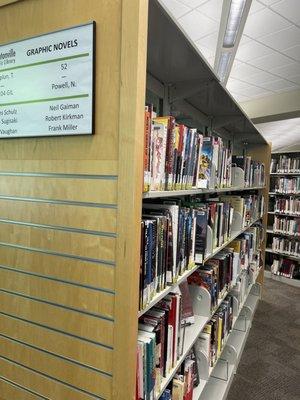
(265, 75)
(277, 131)
(268, 58)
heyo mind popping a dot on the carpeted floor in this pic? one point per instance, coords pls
(270, 365)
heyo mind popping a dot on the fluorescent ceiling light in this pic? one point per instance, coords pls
(223, 65)
(233, 22)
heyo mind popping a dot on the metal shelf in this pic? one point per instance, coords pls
(284, 194)
(283, 234)
(283, 279)
(218, 386)
(284, 214)
(191, 81)
(285, 173)
(174, 193)
(296, 258)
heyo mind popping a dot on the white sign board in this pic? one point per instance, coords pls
(46, 84)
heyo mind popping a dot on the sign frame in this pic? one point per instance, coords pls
(93, 85)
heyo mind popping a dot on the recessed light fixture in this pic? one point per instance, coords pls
(234, 15)
(223, 64)
(233, 22)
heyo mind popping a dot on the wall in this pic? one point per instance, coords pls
(69, 212)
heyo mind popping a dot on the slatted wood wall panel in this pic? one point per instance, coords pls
(65, 252)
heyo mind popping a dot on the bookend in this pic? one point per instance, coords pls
(209, 241)
(221, 369)
(201, 301)
(237, 222)
(237, 177)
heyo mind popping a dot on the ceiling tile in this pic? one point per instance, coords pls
(175, 7)
(212, 9)
(193, 3)
(264, 22)
(255, 91)
(259, 78)
(295, 79)
(244, 39)
(255, 6)
(236, 86)
(289, 9)
(242, 70)
(293, 52)
(240, 98)
(208, 53)
(269, 2)
(197, 25)
(287, 70)
(209, 41)
(269, 61)
(278, 85)
(272, 131)
(283, 39)
(252, 50)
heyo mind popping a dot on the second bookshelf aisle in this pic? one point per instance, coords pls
(283, 233)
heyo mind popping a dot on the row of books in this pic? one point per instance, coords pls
(285, 164)
(174, 236)
(211, 340)
(186, 378)
(290, 205)
(160, 341)
(289, 226)
(178, 158)
(219, 273)
(284, 267)
(287, 246)
(162, 328)
(254, 171)
(287, 185)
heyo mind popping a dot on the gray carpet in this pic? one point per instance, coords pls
(270, 365)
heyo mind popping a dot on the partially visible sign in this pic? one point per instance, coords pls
(46, 84)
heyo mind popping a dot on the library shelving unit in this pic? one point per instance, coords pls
(71, 208)
(283, 209)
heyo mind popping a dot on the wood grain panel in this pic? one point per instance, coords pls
(40, 384)
(93, 167)
(90, 218)
(74, 323)
(103, 145)
(131, 122)
(86, 300)
(65, 371)
(68, 269)
(83, 190)
(74, 349)
(10, 392)
(76, 244)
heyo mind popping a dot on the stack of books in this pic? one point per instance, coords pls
(174, 236)
(254, 172)
(186, 378)
(211, 340)
(284, 267)
(289, 205)
(287, 185)
(287, 246)
(285, 164)
(286, 225)
(215, 276)
(177, 157)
